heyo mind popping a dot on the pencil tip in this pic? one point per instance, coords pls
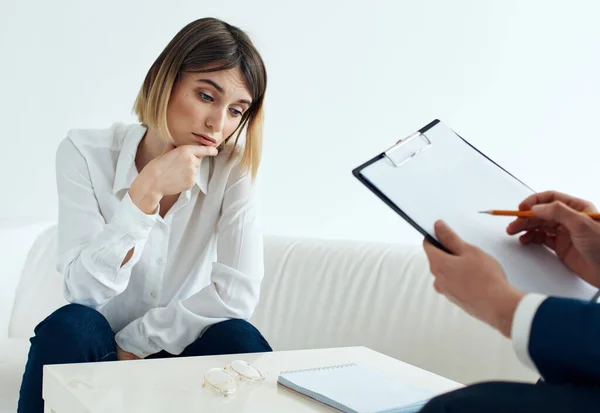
(485, 212)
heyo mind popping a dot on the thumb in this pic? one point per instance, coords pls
(560, 213)
(449, 238)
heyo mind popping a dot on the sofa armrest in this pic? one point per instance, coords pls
(16, 240)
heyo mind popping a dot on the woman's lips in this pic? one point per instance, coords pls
(204, 139)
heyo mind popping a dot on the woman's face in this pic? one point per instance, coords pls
(206, 108)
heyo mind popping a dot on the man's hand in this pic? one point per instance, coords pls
(560, 225)
(124, 355)
(472, 279)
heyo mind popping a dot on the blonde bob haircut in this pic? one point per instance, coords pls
(207, 45)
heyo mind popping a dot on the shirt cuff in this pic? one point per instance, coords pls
(133, 341)
(521, 327)
(131, 220)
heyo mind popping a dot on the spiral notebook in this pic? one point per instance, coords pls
(352, 388)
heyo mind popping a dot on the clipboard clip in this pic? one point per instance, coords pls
(406, 149)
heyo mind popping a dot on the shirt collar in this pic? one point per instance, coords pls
(126, 171)
(203, 174)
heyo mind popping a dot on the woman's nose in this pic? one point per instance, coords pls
(216, 120)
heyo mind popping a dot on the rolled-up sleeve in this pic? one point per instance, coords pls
(234, 287)
(90, 247)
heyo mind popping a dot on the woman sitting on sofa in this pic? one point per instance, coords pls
(158, 237)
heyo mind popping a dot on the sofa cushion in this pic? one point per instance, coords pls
(13, 356)
(40, 289)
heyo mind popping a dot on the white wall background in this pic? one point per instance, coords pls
(519, 79)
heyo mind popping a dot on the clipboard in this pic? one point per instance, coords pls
(436, 174)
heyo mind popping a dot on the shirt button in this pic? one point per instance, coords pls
(159, 261)
(153, 294)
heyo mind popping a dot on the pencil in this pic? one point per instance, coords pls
(528, 214)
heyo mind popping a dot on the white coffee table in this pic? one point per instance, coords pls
(175, 385)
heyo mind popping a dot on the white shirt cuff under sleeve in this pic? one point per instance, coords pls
(521, 327)
(131, 220)
(133, 340)
(170, 328)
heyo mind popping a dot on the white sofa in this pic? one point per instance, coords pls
(316, 293)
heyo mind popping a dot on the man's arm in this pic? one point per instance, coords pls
(564, 341)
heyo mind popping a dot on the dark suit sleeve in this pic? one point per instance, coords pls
(564, 342)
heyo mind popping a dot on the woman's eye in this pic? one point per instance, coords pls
(206, 97)
(235, 112)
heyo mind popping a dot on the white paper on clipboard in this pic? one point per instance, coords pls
(435, 174)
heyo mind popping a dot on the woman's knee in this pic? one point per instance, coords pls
(236, 336)
(74, 325)
(234, 328)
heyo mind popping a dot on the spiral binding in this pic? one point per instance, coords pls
(339, 366)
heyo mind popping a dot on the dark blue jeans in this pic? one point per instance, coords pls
(78, 334)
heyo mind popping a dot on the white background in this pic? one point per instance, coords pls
(520, 79)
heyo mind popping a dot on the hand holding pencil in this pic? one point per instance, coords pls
(562, 223)
(528, 214)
